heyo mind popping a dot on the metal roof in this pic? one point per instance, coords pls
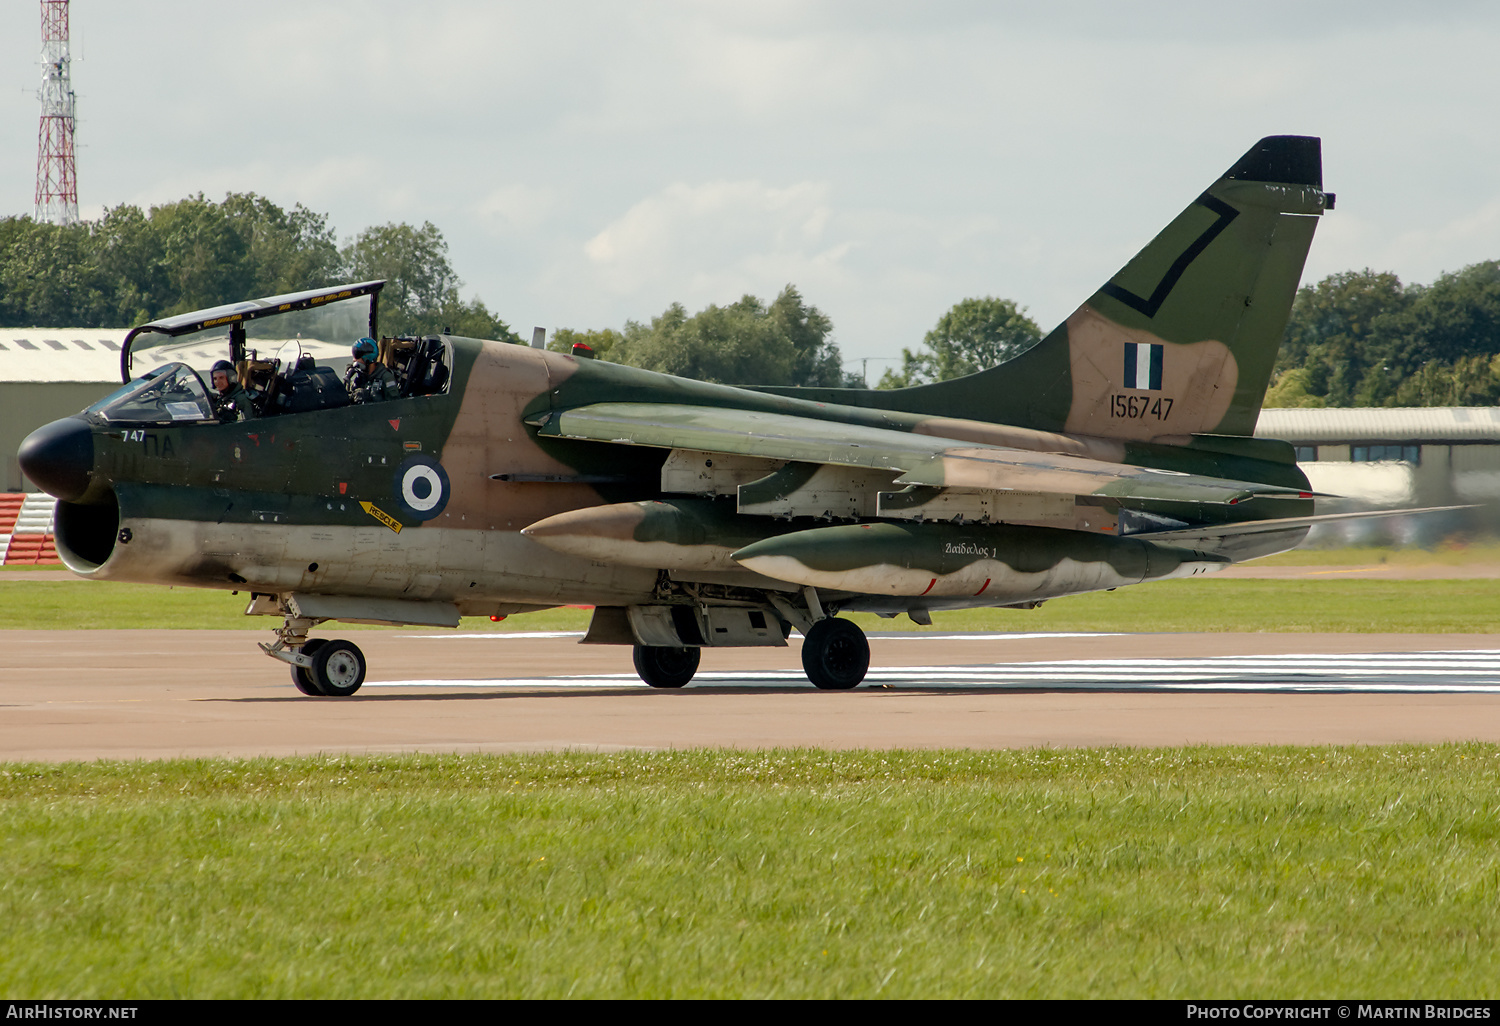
(61, 354)
(92, 355)
(1431, 424)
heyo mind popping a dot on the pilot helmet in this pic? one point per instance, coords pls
(364, 349)
(222, 365)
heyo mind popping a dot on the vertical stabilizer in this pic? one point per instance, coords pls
(1183, 338)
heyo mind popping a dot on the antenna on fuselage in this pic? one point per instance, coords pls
(539, 338)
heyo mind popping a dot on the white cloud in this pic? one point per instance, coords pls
(718, 237)
(888, 158)
(517, 206)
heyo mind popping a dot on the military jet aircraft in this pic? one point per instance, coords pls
(507, 478)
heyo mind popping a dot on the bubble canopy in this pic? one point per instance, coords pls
(334, 316)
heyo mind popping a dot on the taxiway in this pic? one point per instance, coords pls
(68, 695)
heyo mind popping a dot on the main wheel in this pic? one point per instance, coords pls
(663, 667)
(338, 668)
(835, 654)
(306, 684)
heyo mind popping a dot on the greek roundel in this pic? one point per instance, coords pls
(1143, 366)
(421, 487)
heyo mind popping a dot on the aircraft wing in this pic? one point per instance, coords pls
(916, 459)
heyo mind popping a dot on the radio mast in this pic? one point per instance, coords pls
(56, 172)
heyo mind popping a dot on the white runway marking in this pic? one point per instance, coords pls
(1374, 672)
(879, 636)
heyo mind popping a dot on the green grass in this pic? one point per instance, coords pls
(1424, 606)
(1336, 606)
(1204, 872)
(101, 605)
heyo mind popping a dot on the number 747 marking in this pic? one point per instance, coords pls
(1139, 407)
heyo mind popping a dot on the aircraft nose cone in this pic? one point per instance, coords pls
(59, 457)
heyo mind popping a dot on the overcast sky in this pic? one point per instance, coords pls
(590, 163)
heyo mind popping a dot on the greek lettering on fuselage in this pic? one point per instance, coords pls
(965, 549)
(151, 445)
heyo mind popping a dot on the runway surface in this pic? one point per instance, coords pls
(155, 694)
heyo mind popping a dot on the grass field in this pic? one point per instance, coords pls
(1223, 872)
(1422, 606)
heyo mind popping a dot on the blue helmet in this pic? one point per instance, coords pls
(364, 349)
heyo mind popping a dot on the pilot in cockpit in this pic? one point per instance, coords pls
(368, 380)
(231, 400)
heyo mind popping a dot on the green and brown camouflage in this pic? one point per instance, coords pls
(1004, 563)
(1116, 450)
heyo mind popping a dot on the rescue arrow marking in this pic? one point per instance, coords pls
(381, 515)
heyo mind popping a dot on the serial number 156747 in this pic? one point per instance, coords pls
(1139, 407)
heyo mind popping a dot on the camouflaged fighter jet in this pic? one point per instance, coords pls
(505, 478)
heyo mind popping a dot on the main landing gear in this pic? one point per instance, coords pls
(835, 655)
(320, 667)
(663, 667)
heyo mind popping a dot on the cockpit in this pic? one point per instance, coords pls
(289, 354)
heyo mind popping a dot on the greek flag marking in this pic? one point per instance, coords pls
(1143, 365)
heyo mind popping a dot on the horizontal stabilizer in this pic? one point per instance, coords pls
(1181, 534)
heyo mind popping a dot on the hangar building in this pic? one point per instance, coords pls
(47, 373)
(1393, 457)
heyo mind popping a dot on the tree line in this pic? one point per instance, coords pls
(788, 342)
(1357, 338)
(132, 266)
(1363, 338)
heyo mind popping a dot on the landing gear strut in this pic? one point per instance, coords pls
(835, 654)
(300, 675)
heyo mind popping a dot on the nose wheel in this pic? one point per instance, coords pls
(336, 673)
(320, 667)
(338, 668)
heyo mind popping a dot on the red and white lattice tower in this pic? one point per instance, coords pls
(56, 172)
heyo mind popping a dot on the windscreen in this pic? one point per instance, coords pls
(167, 394)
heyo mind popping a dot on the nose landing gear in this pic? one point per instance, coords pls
(320, 667)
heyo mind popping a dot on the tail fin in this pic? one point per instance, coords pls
(1182, 339)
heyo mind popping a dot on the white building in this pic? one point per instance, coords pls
(47, 373)
(1394, 457)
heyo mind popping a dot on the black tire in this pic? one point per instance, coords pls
(835, 654)
(663, 667)
(305, 683)
(338, 668)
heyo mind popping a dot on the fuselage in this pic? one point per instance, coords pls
(426, 498)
